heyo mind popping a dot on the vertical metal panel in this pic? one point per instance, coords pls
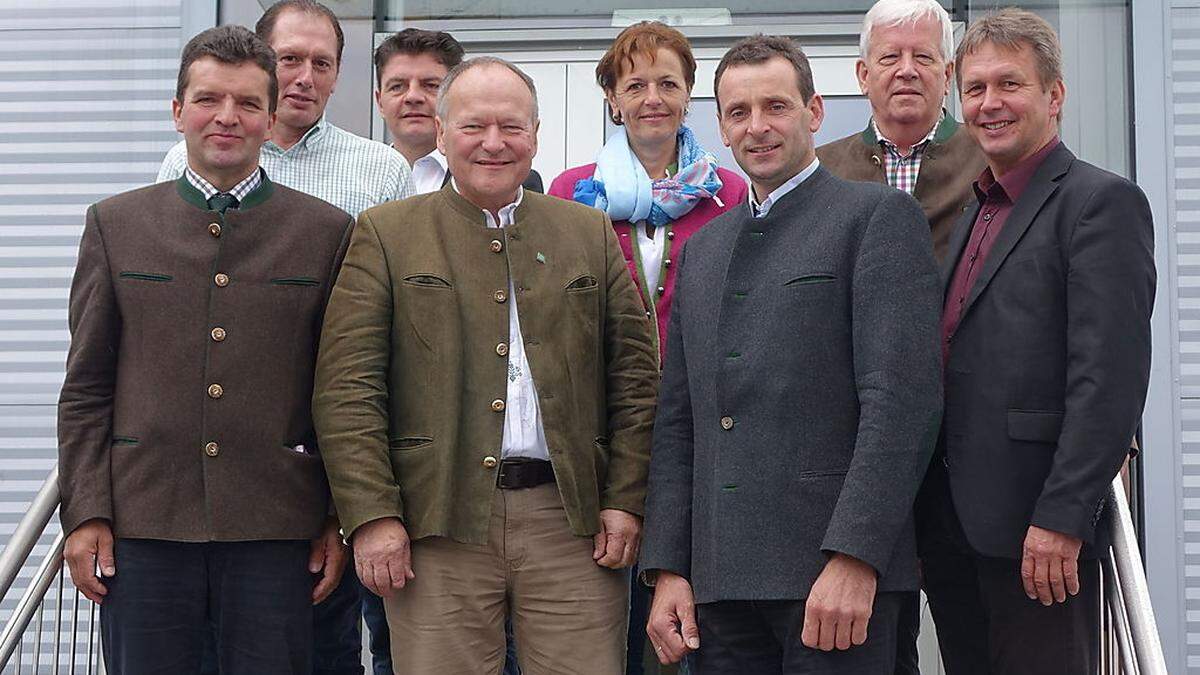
(1184, 122)
(85, 90)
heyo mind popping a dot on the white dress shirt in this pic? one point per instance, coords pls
(650, 252)
(762, 209)
(523, 434)
(429, 172)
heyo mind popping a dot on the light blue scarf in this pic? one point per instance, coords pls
(622, 188)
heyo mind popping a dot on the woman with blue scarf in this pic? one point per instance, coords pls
(652, 177)
(658, 186)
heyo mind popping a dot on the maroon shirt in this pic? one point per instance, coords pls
(996, 197)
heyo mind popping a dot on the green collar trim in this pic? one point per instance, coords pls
(191, 195)
(945, 129)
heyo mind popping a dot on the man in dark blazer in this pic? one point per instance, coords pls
(1046, 344)
(799, 402)
(189, 468)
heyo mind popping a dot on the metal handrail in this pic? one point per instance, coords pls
(28, 531)
(31, 601)
(1131, 599)
(1126, 592)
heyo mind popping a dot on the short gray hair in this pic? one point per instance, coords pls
(897, 12)
(478, 62)
(1011, 28)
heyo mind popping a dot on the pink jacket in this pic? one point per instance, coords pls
(733, 192)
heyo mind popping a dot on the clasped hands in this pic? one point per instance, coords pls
(383, 550)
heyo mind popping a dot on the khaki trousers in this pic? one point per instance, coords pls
(569, 614)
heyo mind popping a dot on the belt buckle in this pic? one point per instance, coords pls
(501, 475)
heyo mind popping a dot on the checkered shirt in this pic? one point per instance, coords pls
(351, 172)
(902, 170)
(239, 191)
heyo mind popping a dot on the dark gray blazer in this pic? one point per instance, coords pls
(801, 394)
(1049, 366)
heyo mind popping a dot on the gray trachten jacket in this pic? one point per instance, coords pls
(801, 394)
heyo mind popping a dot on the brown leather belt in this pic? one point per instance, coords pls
(522, 472)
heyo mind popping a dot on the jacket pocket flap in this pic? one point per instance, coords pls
(1039, 426)
(427, 280)
(409, 442)
(581, 282)
(145, 276)
(815, 278)
(295, 281)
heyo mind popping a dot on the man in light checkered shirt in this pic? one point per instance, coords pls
(905, 68)
(306, 152)
(309, 154)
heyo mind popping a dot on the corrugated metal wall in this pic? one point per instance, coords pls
(1185, 95)
(85, 89)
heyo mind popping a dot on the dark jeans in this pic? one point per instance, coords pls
(380, 642)
(985, 622)
(763, 636)
(169, 597)
(639, 612)
(907, 631)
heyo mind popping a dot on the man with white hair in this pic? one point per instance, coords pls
(905, 67)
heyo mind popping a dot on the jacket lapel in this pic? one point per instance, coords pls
(1043, 184)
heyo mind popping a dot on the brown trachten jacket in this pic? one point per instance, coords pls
(413, 363)
(951, 163)
(169, 302)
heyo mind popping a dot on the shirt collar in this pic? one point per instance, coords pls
(761, 210)
(243, 187)
(433, 156)
(887, 144)
(1014, 182)
(311, 138)
(506, 212)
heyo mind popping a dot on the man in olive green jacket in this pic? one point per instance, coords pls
(485, 395)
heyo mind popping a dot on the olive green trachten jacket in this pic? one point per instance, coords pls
(411, 376)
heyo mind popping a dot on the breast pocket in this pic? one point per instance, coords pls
(425, 300)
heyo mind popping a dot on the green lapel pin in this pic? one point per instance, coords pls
(541, 257)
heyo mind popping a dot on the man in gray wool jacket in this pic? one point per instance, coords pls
(799, 405)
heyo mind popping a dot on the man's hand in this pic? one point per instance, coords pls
(617, 542)
(839, 604)
(328, 557)
(382, 556)
(89, 545)
(672, 623)
(1050, 565)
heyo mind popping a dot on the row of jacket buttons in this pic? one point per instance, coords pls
(216, 391)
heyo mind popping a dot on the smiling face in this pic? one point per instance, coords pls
(488, 134)
(306, 46)
(651, 98)
(224, 119)
(1009, 112)
(406, 97)
(904, 74)
(766, 122)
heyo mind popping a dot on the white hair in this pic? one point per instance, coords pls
(896, 12)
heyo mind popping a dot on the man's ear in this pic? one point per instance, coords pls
(536, 125)
(177, 114)
(860, 73)
(816, 106)
(439, 129)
